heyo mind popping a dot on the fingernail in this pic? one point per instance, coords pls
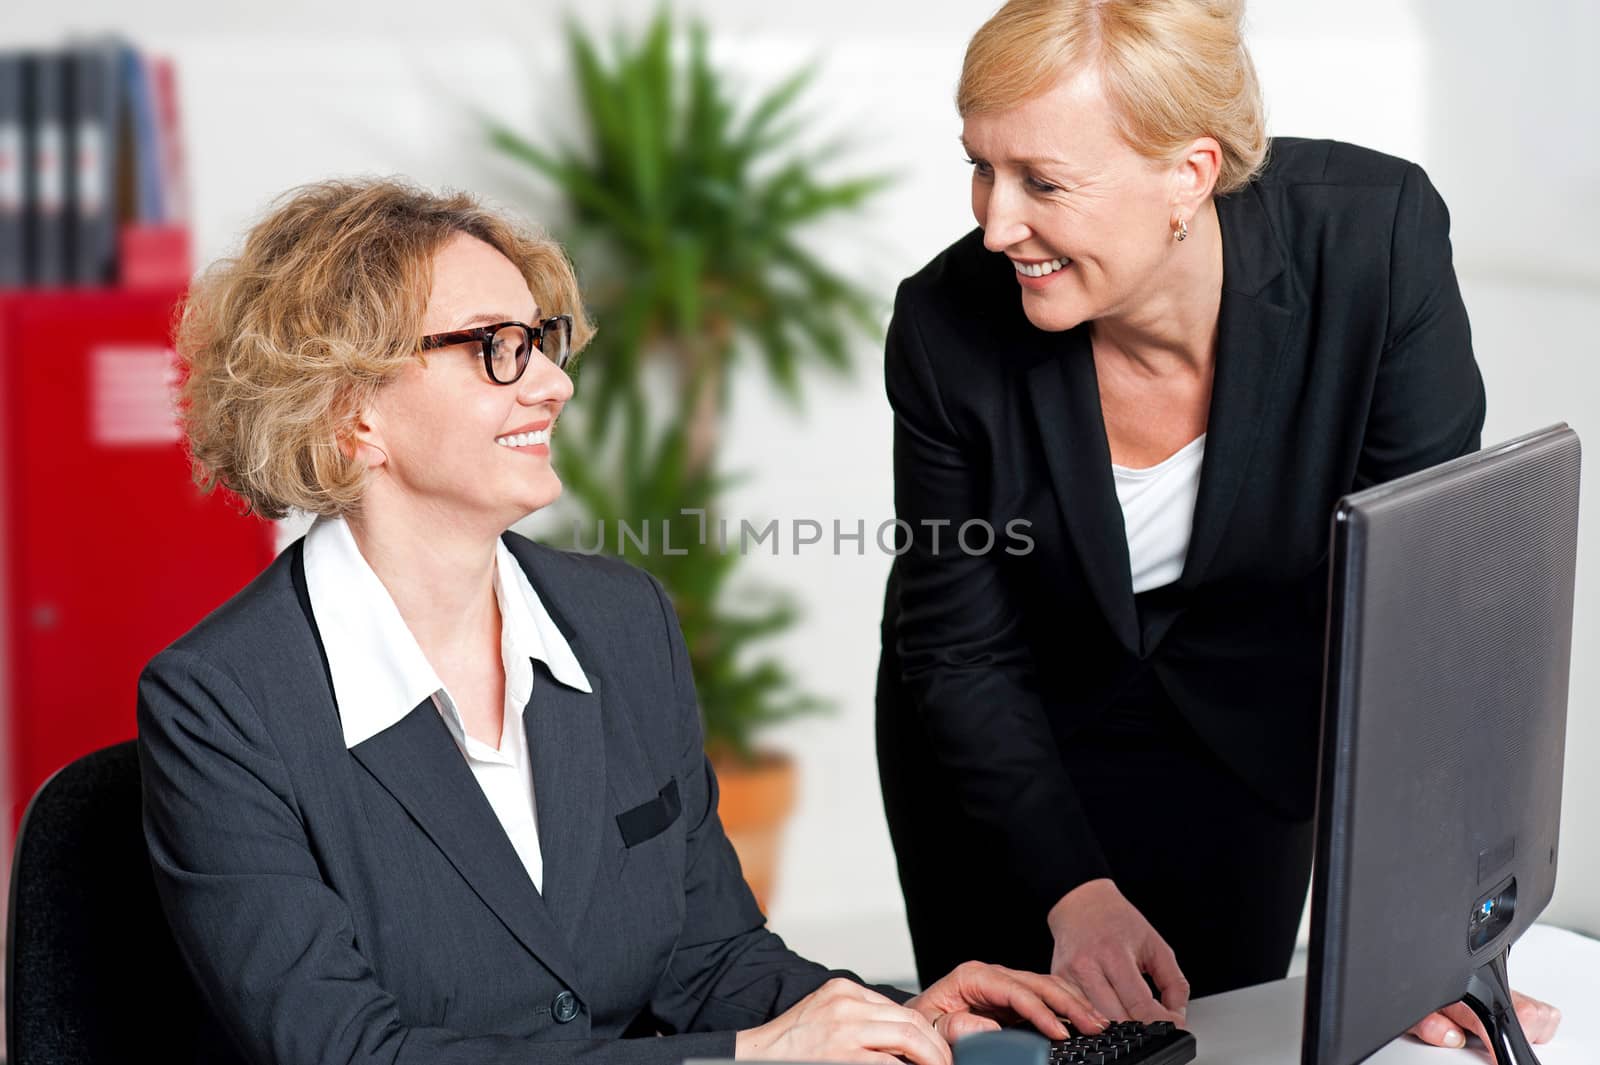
(1454, 1038)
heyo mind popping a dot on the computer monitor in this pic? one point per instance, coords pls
(1444, 721)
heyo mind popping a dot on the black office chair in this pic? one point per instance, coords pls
(92, 973)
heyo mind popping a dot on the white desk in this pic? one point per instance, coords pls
(1261, 1025)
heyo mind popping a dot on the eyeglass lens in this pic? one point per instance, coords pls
(557, 341)
(508, 353)
(510, 348)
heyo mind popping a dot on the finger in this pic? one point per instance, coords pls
(840, 1047)
(877, 1010)
(866, 1057)
(1461, 1015)
(1437, 1030)
(1064, 999)
(850, 1013)
(954, 1026)
(1539, 1020)
(1099, 991)
(922, 1027)
(1005, 989)
(1164, 970)
(1552, 1022)
(916, 1041)
(1135, 994)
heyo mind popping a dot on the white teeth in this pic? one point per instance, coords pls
(1040, 269)
(524, 439)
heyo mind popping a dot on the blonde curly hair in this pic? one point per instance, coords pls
(284, 344)
(1172, 70)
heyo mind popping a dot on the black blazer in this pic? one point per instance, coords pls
(1343, 359)
(365, 905)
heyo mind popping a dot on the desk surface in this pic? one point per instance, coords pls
(1261, 1025)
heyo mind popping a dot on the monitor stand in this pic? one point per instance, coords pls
(1489, 997)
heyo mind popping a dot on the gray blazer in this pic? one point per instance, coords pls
(365, 905)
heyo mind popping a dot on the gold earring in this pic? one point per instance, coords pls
(1183, 230)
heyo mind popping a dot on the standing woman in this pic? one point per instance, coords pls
(1170, 346)
(426, 791)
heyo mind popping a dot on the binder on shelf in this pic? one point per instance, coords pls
(46, 137)
(174, 166)
(12, 183)
(154, 244)
(143, 144)
(95, 137)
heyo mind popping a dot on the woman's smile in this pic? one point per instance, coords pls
(532, 439)
(1040, 274)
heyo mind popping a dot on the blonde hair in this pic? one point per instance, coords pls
(1172, 70)
(283, 345)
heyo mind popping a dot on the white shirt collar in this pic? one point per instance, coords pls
(379, 672)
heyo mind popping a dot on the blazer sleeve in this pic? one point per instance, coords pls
(1428, 400)
(271, 946)
(728, 971)
(965, 659)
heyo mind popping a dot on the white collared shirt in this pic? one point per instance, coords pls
(380, 673)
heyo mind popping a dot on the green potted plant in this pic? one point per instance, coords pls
(685, 216)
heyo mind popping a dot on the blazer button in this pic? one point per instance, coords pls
(564, 1007)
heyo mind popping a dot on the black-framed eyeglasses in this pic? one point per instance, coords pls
(508, 346)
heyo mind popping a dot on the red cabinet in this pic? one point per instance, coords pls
(108, 551)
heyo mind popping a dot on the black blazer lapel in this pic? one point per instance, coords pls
(1261, 306)
(566, 745)
(418, 762)
(1066, 403)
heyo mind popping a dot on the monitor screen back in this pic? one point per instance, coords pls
(1444, 722)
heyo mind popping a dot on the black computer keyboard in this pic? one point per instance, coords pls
(1126, 1043)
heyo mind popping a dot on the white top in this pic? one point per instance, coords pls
(1158, 513)
(380, 674)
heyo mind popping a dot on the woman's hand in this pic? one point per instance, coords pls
(976, 997)
(1105, 946)
(1447, 1027)
(843, 1021)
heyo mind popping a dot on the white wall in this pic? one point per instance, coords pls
(1500, 109)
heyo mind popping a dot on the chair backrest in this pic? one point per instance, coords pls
(92, 973)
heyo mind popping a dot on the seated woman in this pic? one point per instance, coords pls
(426, 791)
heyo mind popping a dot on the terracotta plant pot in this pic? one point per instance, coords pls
(757, 797)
